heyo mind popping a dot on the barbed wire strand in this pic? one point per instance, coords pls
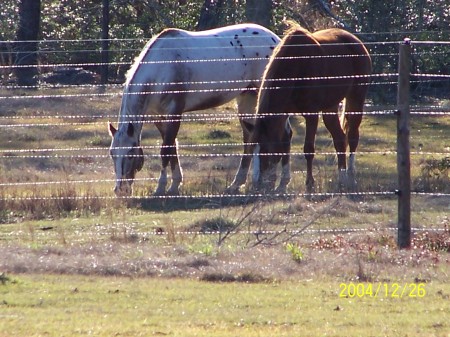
(248, 196)
(202, 60)
(431, 77)
(47, 50)
(12, 154)
(146, 39)
(193, 119)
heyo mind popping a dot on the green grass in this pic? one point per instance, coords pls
(55, 305)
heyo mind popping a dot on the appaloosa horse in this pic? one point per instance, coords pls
(310, 73)
(180, 71)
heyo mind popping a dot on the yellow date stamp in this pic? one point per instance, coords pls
(382, 290)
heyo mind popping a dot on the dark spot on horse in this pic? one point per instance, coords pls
(257, 54)
(231, 42)
(243, 56)
(236, 37)
(267, 56)
(255, 33)
(244, 30)
(241, 45)
(238, 42)
(273, 39)
(272, 47)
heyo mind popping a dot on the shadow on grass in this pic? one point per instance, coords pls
(178, 203)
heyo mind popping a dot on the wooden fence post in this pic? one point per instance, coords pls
(403, 149)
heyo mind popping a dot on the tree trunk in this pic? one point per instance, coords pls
(210, 14)
(105, 41)
(26, 45)
(259, 11)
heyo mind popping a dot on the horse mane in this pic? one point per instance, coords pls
(138, 59)
(293, 27)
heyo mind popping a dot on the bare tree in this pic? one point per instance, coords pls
(27, 45)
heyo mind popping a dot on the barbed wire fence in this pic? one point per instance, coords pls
(31, 190)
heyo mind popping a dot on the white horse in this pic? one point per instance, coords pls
(180, 71)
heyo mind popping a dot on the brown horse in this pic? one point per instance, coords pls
(309, 73)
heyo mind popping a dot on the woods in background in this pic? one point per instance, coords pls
(53, 23)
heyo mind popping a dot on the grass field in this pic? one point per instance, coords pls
(73, 256)
(48, 305)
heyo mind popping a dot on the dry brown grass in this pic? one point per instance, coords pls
(251, 240)
(370, 257)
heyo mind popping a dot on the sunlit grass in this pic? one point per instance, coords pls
(43, 305)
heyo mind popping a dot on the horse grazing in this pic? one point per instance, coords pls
(309, 73)
(179, 71)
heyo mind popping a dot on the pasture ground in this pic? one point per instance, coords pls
(49, 305)
(72, 256)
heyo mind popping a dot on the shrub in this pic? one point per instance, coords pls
(435, 175)
(295, 251)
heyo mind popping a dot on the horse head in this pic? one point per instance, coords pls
(127, 156)
(273, 144)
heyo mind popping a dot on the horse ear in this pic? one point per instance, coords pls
(130, 130)
(112, 130)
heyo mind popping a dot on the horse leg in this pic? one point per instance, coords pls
(162, 181)
(353, 122)
(333, 124)
(177, 173)
(285, 160)
(312, 122)
(246, 108)
(169, 155)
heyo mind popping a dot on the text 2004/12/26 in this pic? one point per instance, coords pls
(382, 290)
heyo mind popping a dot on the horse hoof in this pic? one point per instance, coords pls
(352, 190)
(173, 192)
(231, 190)
(159, 193)
(310, 188)
(280, 190)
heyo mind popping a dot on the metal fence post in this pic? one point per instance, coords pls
(403, 149)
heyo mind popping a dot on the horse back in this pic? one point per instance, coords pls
(337, 42)
(310, 72)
